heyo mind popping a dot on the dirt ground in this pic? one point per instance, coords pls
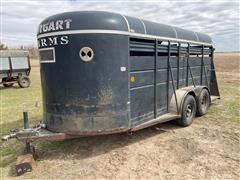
(208, 149)
(202, 151)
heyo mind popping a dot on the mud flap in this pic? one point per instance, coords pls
(213, 82)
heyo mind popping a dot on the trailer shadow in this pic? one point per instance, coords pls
(15, 86)
(86, 147)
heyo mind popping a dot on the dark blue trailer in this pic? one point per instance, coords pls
(105, 73)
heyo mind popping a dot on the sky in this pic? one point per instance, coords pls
(217, 18)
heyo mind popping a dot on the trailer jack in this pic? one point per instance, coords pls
(26, 161)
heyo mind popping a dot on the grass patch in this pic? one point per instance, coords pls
(13, 101)
(227, 109)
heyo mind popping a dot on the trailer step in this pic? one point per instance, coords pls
(160, 119)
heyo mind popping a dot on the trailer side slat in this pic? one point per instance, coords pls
(170, 69)
(155, 79)
(167, 68)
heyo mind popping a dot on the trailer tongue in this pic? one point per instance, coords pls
(26, 161)
(37, 134)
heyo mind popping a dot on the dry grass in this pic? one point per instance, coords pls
(228, 67)
(227, 62)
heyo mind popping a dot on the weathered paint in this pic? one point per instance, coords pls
(127, 83)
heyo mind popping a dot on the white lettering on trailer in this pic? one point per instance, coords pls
(43, 42)
(59, 25)
(64, 40)
(55, 25)
(68, 22)
(51, 26)
(45, 28)
(53, 41)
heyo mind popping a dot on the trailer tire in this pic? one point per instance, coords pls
(188, 111)
(24, 82)
(203, 102)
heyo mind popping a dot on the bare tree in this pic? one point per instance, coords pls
(2, 46)
(33, 52)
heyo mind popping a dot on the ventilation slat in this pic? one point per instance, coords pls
(141, 46)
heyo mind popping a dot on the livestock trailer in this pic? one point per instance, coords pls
(105, 73)
(14, 68)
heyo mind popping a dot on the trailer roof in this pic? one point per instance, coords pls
(88, 21)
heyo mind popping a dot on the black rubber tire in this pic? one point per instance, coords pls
(24, 82)
(203, 102)
(188, 111)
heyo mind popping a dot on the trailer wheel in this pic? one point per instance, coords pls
(203, 102)
(188, 111)
(24, 82)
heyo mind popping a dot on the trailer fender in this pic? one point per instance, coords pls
(177, 100)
